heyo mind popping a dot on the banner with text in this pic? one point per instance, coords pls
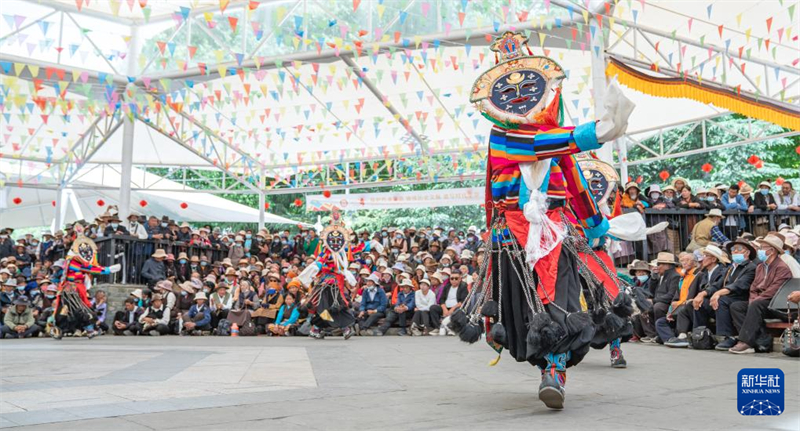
(397, 200)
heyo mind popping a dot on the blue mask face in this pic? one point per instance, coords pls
(518, 92)
(182, 261)
(738, 257)
(764, 191)
(643, 278)
(20, 288)
(248, 236)
(710, 198)
(203, 263)
(50, 296)
(762, 255)
(788, 253)
(114, 225)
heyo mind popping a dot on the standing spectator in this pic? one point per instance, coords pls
(764, 200)
(236, 252)
(631, 199)
(373, 304)
(126, 322)
(403, 310)
(424, 299)
(712, 199)
(155, 319)
(184, 233)
(6, 244)
(114, 227)
(134, 227)
(786, 198)
(153, 269)
(18, 321)
(688, 201)
(733, 201)
(707, 231)
(771, 274)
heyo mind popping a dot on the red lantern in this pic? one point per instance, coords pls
(184, 205)
(779, 181)
(142, 203)
(266, 205)
(707, 167)
(639, 179)
(663, 175)
(326, 193)
(101, 202)
(798, 149)
(17, 200)
(298, 202)
(753, 159)
(759, 164)
(53, 203)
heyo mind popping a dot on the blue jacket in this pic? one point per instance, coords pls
(407, 300)
(737, 204)
(292, 317)
(378, 303)
(206, 315)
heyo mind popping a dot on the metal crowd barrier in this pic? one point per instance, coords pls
(131, 252)
(676, 237)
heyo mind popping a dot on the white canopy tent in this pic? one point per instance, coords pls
(38, 205)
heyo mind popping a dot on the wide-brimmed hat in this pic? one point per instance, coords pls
(387, 272)
(668, 188)
(437, 275)
(211, 278)
(231, 271)
(137, 293)
(11, 282)
(164, 285)
(194, 259)
(363, 271)
(157, 297)
(638, 265)
(188, 286)
(743, 242)
(665, 257)
(764, 184)
(745, 189)
(227, 262)
(407, 283)
(632, 184)
(170, 256)
(374, 278)
(654, 188)
(399, 266)
(243, 261)
(182, 255)
(714, 251)
(273, 275)
(676, 179)
(773, 241)
(200, 295)
(714, 213)
(425, 281)
(160, 253)
(22, 300)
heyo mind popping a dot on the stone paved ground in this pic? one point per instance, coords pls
(210, 383)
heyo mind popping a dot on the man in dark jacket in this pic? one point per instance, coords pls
(373, 304)
(126, 322)
(662, 290)
(763, 200)
(403, 310)
(449, 297)
(153, 269)
(771, 274)
(735, 288)
(114, 227)
(6, 244)
(714, 261)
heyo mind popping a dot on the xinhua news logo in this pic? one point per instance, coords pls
(760, 392)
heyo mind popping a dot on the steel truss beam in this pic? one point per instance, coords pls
(659, 149)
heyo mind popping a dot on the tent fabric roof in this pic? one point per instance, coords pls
(37, 209)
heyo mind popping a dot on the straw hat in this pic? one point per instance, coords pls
(425, 281)
(164, 285)
(714, 251)
(227, 262)
(745, 189)
(665, 257)
(188, 286)
(764, 184)
(374, 278)
(201, 295)
(160, 253)
(714, 213)
(231, 271)
(632, 185)
(437, 275)
(182, 255)
(407, 283)
(745, 243)
(364, 271)
(638, 265)
(773, 241)
(195, 259)
(137, 293)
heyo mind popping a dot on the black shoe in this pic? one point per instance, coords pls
(377, 333)
(402, 333)
(726, 344)
(551, 392)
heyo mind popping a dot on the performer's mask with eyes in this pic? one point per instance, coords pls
(518, 92)
(86, 252)
(600, 176)
(335, 240)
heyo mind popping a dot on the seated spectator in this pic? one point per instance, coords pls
(714, 267)
(245, 297)
(680, 314)
(198, 318)
(771, 274)
(786, 198)
(373, 304)
(220, 304)
(424, 299)
(402, 310)
(126, 322)
(287, 317)
(18, 321)
(788, 253)
(100, 308)
(662, 290)
(155, 319)
(707, 231)
(450, 296)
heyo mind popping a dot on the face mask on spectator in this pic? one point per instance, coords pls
(21, 288)
(643, 278)
(50, 296)
(163, 225)
(248, 236)
(710, 198)
(737, 258)
(114, 225)
(655, 195)
(203, 263)
(34, 292)
(764, 191)
(182, 261)
(762, 255)
(368, 261)
(3, 236)
(184, 293)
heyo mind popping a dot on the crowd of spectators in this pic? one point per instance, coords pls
(409, 279)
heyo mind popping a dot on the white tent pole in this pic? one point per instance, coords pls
(605, 153)
(261, 200)
(58, 218)
(622, 152)
(128, 135)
